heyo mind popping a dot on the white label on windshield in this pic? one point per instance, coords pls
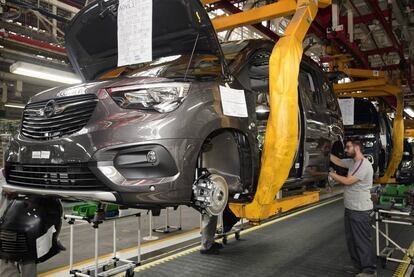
(233, 102)
(134, 31)
(347, 109)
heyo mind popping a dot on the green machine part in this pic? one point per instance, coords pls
(396, 194)
(89, 210)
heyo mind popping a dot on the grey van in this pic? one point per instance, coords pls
(154, 135)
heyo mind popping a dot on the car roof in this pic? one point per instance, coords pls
(233, 49)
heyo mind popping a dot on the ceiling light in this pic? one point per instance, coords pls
(14, 105)
(44, 73)
(410, 112)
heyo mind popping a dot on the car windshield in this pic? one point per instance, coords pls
(201, 67)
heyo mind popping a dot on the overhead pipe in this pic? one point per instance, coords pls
(33, 43)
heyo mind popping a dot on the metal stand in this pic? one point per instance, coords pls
(109, 267)
(235, 230)
(150, 237)
(391, 217)
(167, 228)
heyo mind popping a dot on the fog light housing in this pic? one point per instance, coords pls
(151, 156)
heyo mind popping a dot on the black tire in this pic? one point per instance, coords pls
(129, 273)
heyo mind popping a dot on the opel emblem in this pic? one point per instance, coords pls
(50, 108)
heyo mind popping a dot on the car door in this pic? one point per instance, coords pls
(317, 144)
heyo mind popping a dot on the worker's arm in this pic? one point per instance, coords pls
(347, 181)
(338, 161)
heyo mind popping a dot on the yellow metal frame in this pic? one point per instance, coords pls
(409, 128)
(256, 15)
(380, 87)
(281, 137)
(282, 128)
(340, 62)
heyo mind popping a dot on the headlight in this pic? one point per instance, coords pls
(164, 97)
(406, 164)
(368, 144)
(369, 136)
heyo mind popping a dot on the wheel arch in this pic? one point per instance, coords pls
(229, 153)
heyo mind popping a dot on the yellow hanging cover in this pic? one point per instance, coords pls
(281, 137)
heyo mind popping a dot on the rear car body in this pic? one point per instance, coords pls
(405, 171)
(374, 131)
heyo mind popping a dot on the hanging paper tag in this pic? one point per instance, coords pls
(233, 102)
(347, 109)
(134, 32)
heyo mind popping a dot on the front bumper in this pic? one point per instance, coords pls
(123, 172)
(103, 196)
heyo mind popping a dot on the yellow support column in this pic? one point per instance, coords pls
(282, 128)
(381, 87)
(397, 140)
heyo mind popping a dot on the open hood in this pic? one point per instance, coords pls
(91, 36)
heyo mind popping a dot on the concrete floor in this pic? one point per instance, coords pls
(127, 235)
(311, 243)
(127, 232)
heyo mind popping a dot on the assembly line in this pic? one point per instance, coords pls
(182, 138)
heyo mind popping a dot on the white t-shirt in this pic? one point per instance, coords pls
(357, 197)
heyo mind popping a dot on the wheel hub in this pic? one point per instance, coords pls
(211, 194)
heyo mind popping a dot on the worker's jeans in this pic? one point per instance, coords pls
(358, 237)
(208, 230)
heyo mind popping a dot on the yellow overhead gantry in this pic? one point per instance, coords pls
(376, 86)
(281, 137)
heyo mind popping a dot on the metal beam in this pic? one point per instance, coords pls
(387, 27)
(256, 15)
(321, 3)
(379, 51)
(364, 73)
(230, 8)
(32, 43)
(364, 19)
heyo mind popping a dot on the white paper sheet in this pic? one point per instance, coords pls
(348, 110)
(233, 102)
(134, 31)
(40, 154)
(44, 243)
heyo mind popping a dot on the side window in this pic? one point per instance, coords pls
(308, 85)
(331, 102)
(259, 77)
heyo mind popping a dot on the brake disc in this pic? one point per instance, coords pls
(211, 194)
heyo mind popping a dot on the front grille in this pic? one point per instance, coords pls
(12, 242)
(61, 177)
(72, 114)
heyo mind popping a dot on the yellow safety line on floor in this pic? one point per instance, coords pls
(194, 249)
(403, 267)
(105, 256)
